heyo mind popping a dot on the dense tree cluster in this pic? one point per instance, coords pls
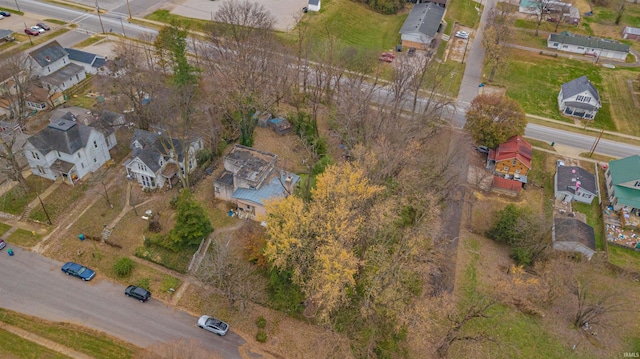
(492, 119)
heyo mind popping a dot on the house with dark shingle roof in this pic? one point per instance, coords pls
(250, 177)
(92, 63)
(579, 98)
(572, 183)
(588, 45)
(156, 159)
(421, 26)
(51, 63)
(512, 159)
(6, 35)
(106, 122)
(66, 149)
(623, 184)
(572, 235)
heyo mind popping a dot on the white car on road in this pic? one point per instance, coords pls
(462, 34)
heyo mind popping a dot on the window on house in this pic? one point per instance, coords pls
(216, 189)
(64, 61)
(58, 152)
(95, 160)
(77, 77)
(555, 44)
(505, 168)
(637, 184)
(35, 155)
(40, 169)
(586, 99)
(518, 171)
(108, 143)
(513, 163)
(565, 46)
(142, 167)
(79, 155)
(580, 48)
(95, 144)
(580, 98)
(82, 165)
(49, 68)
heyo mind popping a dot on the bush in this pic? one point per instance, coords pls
(123, 267)
(261, 322)
(261, 336)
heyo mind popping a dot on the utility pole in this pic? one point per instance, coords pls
(18, 6)
(99, 17)
(29, 36)
(595, 144)
(129, 8)
(106, 194)
(45, 210)
(122, 24)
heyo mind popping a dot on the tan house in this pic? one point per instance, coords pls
(249, 178)
(512, 159)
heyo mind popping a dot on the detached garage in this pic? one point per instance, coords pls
(314, 5)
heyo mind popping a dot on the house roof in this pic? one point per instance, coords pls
(251, 163)
(508, 184)
(48, 53)
(60, 76)
(515, 147)
(568, 229)
(107, 122)
(61, 135)
(566, 37)
(424, 18)
(574, 176)
(625, 169)
(627, 30)
(581, 105)
(4, 33)
(579, 85)
(73, 113)
(273, 187)
(154, 147)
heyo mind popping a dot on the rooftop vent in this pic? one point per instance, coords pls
(47, 58)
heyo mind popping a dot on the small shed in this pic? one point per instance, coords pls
(5, 35)
(263, 118)
(631, 33)
(279, 125)
(314, 5)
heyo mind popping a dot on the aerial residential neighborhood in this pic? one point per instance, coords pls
(307, 179)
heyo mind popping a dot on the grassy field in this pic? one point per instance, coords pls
(90, 41)
(24, 238)
(624, 258)
(464, 12)
(58, 202)
(81, 339)
(594, 219)
(14, 346)
(15, 200)
(354, 24)
(535, 80)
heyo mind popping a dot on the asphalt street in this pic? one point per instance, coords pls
(35, 285)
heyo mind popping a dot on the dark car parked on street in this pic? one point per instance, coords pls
(138, 293)
(31, 32)
(79, 271)
(5, 14)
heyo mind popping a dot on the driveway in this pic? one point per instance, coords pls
(33, 284)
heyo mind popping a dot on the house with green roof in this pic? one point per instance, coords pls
(588, 45)
(623, 184)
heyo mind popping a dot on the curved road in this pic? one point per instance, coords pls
(35, 285)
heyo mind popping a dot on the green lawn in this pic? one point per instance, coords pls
(178, 261)
(24, 238)
(594, 219)
(625, 258)
(84, 340)
(14, 346)
(464, 12)
(534, 81)
(4, 228)
(58, 202)
(353, 24)
(16, 200)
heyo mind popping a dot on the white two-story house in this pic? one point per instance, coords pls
(579, 98)
(51, 64)
(156, 159)
(66, 149)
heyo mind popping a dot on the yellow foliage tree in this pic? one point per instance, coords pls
(316, 241)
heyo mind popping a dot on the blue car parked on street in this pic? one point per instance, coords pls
(79, 271)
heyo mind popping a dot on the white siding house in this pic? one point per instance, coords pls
(574, 183)
(579, 98)
(51, 63)
(156, 159)
(588, 45)
(91, 63)
(66, 149)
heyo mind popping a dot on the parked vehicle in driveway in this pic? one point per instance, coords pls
(38, 29)
(44, 26)
(5, 13)
(482, 149)
(213, 325)
(78, 270)
(138, 293)
(462, 34)
(31, 32)
(2, 244)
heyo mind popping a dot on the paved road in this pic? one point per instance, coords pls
(33, 284)
(86, 21)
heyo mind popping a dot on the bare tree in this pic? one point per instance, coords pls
(243, 20)
(496, 35)
(478, 309)
(593, 307)
(18, 79)
(224, 268)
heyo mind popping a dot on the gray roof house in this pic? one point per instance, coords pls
(66, 149)
(588, 45)
(156, 159)
(249, 178)
(579, 98)
(51, 63)
(6, 35)
(421, 26)
(92, 63)
(574, 183)
(107, 122)
(572, 235)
